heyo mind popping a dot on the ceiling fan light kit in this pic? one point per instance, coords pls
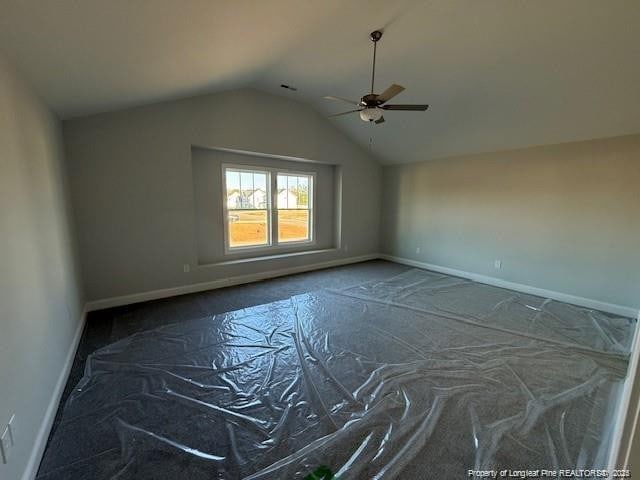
(371, 106)
(371, 114)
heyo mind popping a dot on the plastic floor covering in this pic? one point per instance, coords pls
(417, 377)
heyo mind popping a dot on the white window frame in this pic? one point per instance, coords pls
(272, 210)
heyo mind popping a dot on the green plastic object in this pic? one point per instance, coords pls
(320, 473)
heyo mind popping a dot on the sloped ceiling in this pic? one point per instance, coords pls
(498, 74)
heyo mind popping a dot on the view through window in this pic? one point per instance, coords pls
(294, 214)
(250, 220)
(248, 206)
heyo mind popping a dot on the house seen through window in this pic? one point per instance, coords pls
(267, 207)
(294, 215)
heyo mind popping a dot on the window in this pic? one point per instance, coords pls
(251, 222)
(247, 202)
(294, 212)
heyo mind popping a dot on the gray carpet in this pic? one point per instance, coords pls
(107, 326)
(384, 373)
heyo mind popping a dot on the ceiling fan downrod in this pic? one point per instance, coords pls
(374, 36)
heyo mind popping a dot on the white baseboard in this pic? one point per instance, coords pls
(518, 287)
(628, 412)
(225, 282)
(40, 443)
(254, 277)
(620, 448)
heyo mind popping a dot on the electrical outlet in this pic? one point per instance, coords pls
(186, 268)
(346, 247)
(497, 264)
(418, 250)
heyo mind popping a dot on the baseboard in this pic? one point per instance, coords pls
(629, 407)
(40, 442)
(225, 282)
(254, 277)
(628, 412)
(620, 448)
(518, 287)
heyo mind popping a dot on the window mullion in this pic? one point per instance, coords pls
(273, 213)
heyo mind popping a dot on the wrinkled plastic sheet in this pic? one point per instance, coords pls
(420, 376)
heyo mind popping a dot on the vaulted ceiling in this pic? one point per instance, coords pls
(498, 74)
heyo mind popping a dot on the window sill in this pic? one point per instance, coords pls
(267, 257)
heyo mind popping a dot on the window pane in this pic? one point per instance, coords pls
(302, 193)
(246, 190)
(282, 191)
(294, 191)
(233, 188)
(260, 181)
(246, 181)
(293, 225)
(248, 228)
(286, 192)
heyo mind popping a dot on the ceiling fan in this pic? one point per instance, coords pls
(372, 106)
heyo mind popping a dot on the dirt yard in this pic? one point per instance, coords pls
(250, 228)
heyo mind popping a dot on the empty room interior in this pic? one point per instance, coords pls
(323, 240)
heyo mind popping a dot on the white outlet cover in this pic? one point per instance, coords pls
(497, 264)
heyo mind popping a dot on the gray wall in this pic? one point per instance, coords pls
(40, 300)
(562, 217)
(207, 184)
(132, 185)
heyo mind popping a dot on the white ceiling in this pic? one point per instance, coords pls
(498, 74)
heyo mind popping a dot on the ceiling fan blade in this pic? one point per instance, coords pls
(412, 108)
(390, 92)
(352, 102)
(344, 113)
(380, 120)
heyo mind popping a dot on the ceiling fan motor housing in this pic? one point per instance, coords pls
(370, 100)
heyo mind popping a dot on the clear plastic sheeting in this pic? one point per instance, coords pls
(420, 376)
(498, 308)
